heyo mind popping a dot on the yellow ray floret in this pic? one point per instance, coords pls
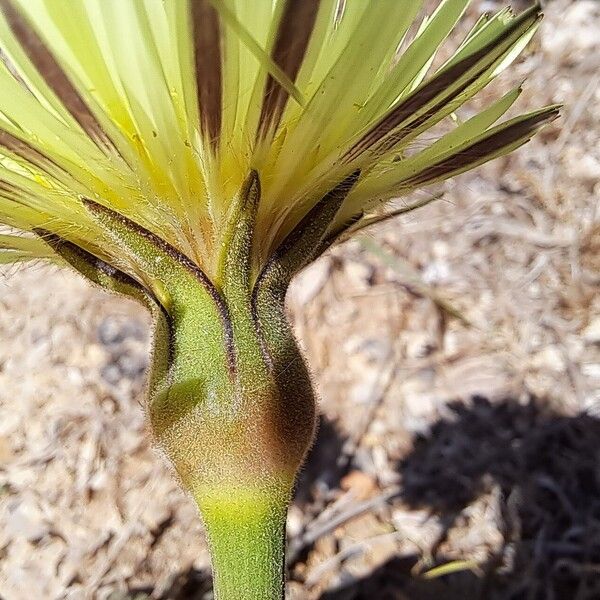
(159, 110)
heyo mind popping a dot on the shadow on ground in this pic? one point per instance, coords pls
(325, 465)
(548, 469)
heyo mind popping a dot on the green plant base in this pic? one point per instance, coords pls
(246, 534)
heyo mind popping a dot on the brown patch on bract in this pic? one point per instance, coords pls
(207, 57)
(251, 191)
(428, 91)
(485, 147)
(63, 247)
(328, 205)
(54, 76)
(293, 35)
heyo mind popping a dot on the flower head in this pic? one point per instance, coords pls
(160, 109)
(194, 155)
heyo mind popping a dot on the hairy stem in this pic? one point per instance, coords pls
(246, 532)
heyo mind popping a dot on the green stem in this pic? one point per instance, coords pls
(246, 532)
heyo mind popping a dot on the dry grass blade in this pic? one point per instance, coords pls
(412, 278)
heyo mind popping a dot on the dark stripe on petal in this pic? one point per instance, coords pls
(293, 35)
(54, 75)
(521, 130)
(8, 188)
(207, 57)
(27, 152)
(429, 90)
(415, 102)
(398, 135)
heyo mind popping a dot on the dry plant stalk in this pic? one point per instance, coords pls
(195, 155)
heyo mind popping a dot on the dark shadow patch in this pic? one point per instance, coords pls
(394, 581)
(548, 470)
(547, 466)
(192, 584)
(325, 465)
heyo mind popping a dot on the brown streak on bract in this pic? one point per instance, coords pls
(331, 202)
(52, 73)
(250, 191)
(207, 59)
(57, 242)
(293, 36)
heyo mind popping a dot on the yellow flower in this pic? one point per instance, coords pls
(160, 109)
(194, 155)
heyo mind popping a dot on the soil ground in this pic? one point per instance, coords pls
(457, 356)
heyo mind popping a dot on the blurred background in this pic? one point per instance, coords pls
(457, 355)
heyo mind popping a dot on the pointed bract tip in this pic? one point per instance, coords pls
(250, 190)
(91, 206)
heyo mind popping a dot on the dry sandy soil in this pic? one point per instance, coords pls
(457, 355)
